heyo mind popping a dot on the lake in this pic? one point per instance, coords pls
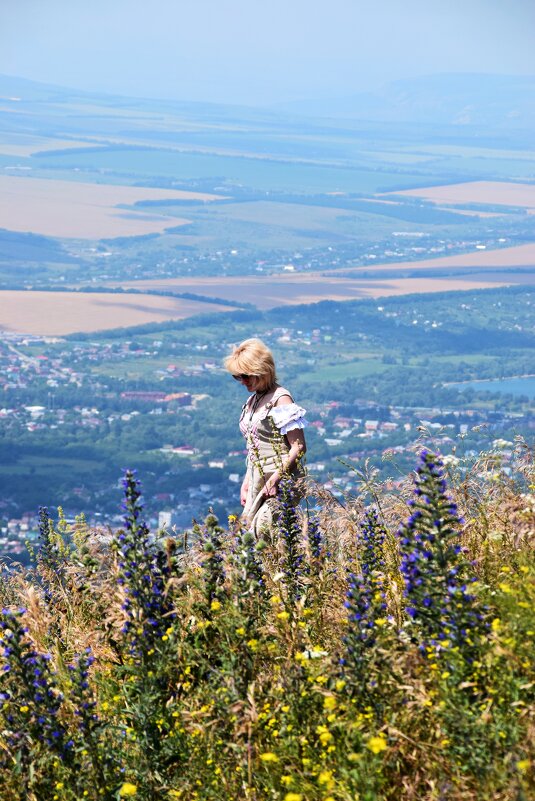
(516, 385)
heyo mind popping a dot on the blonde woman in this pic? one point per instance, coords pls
(272, 425)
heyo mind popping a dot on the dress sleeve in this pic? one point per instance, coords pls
(289, 417)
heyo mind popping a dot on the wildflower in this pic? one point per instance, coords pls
(325, 736)
(365, 602)
(127, 790)
(377, 744)
(251, 594)
(523, 765)
(436, 593)
(286, 780)
(315, 546)
(33, 690)
(283, 615)
(268, 757)
(293, 797)
(329, 703)
(496, 624)
(325, 778)
(215, 606)
(289, 529)
(144, 572)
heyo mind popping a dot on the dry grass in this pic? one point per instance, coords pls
(60, 313)
(492, 192)
(86, 211)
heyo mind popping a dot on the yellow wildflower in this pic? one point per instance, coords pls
(253, 644)
(286, 780)
(340, 684)
(215, 606)
(25, 708)
(523, 765)
(127, 790)
(325, 735)
(283, 615)
(269, 756)
(496, 624)
(293, 797)
(329, 702)
(377, 744)
(326, 779)
(504, 587)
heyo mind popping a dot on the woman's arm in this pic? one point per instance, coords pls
(244, 489)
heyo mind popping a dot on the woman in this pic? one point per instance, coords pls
(272, 425)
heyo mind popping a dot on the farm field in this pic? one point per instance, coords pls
(269, 292)
(83, 210)
(517, 256)
(60, 313)
(485, 192)
(28, 145)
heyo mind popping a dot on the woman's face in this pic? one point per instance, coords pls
(252, 383)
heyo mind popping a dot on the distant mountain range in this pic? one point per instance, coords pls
(503, 101)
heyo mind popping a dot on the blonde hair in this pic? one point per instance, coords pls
(252, 357)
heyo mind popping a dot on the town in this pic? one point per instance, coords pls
(74, 411)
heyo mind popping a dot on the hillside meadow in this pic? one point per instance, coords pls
(379, 648)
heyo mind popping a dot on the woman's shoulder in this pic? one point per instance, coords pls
(281, 397)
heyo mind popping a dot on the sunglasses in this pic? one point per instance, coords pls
(243, 377)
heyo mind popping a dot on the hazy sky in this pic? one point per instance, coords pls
(260, 51)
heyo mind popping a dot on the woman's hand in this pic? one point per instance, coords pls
(244, 490)
(270, 490)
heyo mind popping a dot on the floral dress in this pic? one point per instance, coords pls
(264, 430)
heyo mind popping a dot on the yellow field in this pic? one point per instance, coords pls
(492, 192)
(83, 211)
(59, 313)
